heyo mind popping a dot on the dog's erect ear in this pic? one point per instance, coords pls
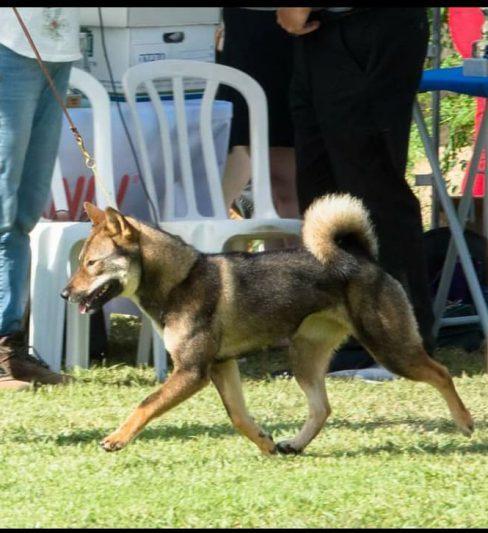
(117, 224)
(95, 214)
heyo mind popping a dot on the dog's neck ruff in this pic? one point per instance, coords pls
(166, 261)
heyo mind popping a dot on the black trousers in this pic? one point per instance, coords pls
(352, 93)
(255, 44)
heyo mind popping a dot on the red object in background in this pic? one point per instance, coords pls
(83, 194)
(465, 26)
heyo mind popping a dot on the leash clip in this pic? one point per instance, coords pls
(89, 160)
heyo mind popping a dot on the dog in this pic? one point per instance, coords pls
(212, 308)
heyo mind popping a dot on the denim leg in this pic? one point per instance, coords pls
(28, 149)
(14, 279)
(20, 88)
(43, 148)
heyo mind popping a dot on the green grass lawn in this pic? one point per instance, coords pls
(389, 456)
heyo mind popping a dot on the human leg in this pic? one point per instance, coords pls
(282, 166)
(18, 100)
(42, 150)
(29, 138)
(361, 97)
(313, 173)
(237, 174)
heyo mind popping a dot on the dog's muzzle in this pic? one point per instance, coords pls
(95, 300)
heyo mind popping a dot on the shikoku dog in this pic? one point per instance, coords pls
(211, 308)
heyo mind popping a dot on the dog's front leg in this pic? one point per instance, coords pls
(227, 380)
(182, 384)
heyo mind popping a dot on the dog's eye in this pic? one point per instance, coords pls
(91, 262)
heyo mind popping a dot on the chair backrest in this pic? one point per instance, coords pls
(176, 71)
(57, 189)
(102, 142)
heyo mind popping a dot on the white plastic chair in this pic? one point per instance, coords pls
(55, 247)
(207, 234)
(57, 190)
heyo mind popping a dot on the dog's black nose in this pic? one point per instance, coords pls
(65, 294)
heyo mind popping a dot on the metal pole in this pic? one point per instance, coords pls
(455, 226)
(436, 107)
(463, 211)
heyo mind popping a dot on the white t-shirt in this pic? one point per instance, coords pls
(54, 30)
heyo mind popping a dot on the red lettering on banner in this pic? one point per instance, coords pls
(82, 194)
(49, 212)
(123, 186)
(74, 202)
(90, 192)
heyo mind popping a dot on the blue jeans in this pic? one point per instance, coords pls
(30, 127)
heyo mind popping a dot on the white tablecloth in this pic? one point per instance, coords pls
(131, 196)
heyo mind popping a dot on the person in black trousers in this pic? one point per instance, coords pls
(256, 45)
(356, 73)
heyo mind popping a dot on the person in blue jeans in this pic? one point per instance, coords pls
(30, 127)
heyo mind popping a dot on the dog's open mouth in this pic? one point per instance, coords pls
(99, 297)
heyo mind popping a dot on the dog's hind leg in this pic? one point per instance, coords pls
(226, 378)
(310, 359)
(415, 364)
(421, 367)
(389, 331)
(435, 374)
(180, 385)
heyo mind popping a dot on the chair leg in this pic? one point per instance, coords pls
(77, 338)
(49, 275)
(160, 356)
(47, 309)
(46, 335)
(463, 212)
(147, 336)
(77, 325)
(144, 342)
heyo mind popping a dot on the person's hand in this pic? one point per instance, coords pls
(294, 20)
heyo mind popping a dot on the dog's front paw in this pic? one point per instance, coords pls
(467, 428)
(286, 448)
(113, 442)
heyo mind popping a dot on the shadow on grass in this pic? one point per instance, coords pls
(151, 433)
(444, 426)
(166, 432)
(284, 429)
(422, 448)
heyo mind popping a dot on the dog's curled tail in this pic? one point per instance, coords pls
(338, 223)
